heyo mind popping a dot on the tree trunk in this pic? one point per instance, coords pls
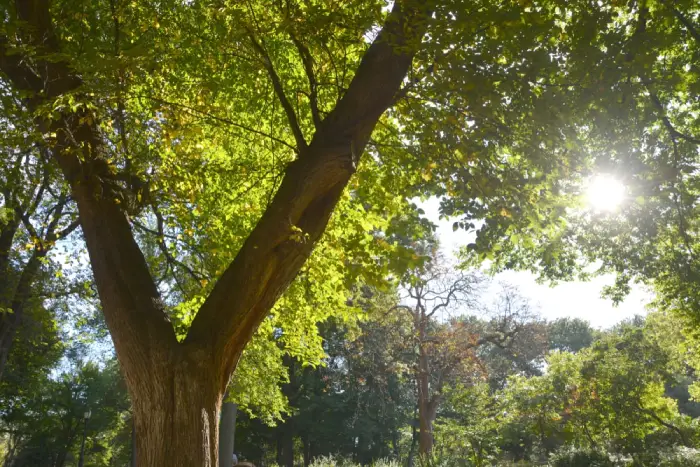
(8, 321)
(427, 408)
(414, 437)
(227, 434)
(285, 446)
(425, 435)
(278, 454)
(177, 418)
(307, 450)
(425, 423)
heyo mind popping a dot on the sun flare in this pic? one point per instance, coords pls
(605, 193)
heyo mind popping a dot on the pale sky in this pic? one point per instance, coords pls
(573, 299)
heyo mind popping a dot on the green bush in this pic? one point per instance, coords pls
(332, 461)
(581, 458)
(677, 457)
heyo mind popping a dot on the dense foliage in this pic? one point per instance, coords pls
(616, 400)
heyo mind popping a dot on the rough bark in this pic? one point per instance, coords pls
(177, 388)
(177, 416)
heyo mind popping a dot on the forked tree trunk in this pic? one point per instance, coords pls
(177, 387)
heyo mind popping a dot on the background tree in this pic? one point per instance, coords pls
(569, 334)
(46, 423)
(31, 222)
(609, 397)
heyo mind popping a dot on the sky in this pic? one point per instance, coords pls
(568, 299)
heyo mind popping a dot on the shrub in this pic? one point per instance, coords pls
(332, 461)
(676, 457)
(581, 458)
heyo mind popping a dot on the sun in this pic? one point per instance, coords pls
(605, 193)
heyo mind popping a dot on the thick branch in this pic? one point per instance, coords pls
(132, 306)
(312, 185)
(7, 236)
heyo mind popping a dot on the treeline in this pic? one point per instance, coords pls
(585, 397)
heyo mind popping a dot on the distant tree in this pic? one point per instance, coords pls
(470, 430)
(610, 396)
(357, 401)
(32, 221)
(569, 334)
(46, 429)
(445, 340)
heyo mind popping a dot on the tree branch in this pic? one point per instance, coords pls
(678, 201)
(307, 60)
(668, 425)
(685, 21)
(211, 116)
(133, 309)
(664, 118)
(164, 248)
(279, 90)
(274, 252)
